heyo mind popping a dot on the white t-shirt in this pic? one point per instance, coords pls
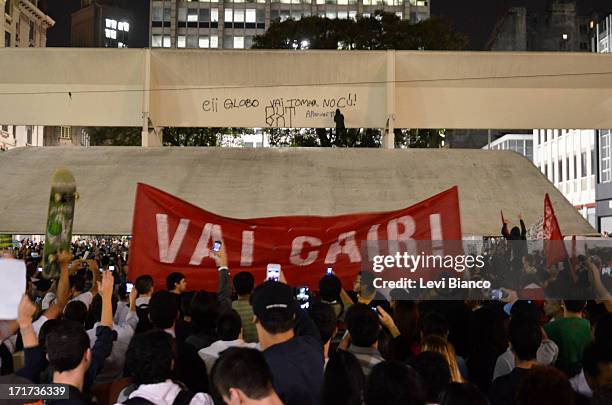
(37, 324)
(210, 354)
(86, 298)
(48, 300)
(114, 363)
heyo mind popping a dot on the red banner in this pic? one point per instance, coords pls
(555, 251)
(169, 234)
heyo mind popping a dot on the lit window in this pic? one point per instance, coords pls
(203, 42)
(113, 24)
(107, 33)
(108, 23)
(192, 16)
(229, 15)
(126, 27)
(214, 15)
(420, 3)
(113, 34)
(250, 15)
(166, 41)
(343, 15)
(342, 2)
(120, 26)
(399, 15)
(180, 41)
(285, 1)
(366, 15)
(352, 15)
(214, 41)
(261, 1)
(322, 2)
(239, 16)
(331, 15)
(156, 41)
(565, 36)
(238, 42)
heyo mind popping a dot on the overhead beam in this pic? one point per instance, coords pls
(260, 88)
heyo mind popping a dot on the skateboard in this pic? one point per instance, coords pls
(59, 221)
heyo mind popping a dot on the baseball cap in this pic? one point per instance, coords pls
(272, 295)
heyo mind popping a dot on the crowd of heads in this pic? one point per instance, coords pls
(252, 340)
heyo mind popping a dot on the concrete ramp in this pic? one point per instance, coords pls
(248, 183)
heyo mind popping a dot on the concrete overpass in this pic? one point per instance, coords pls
(248, 183)
(260, 88)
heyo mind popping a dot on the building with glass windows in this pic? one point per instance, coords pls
(100, 24)
(233, 24)
(519, 143)
(567, 158)
(602, 43)
(23, 24)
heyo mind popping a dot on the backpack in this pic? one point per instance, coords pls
(184, 397)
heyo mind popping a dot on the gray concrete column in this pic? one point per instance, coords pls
(388, 134)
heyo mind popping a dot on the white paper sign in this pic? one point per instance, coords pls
(12, 286)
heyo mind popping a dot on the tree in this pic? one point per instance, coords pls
(377, 32)
(116, 136)
(176, 136)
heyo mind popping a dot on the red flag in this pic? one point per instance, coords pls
(169, 234)
(555, 251)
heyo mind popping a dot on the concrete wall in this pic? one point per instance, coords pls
(471, 90)
(261, 182)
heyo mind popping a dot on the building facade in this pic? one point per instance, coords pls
(519, 143)
(562, 26)
(602, 43)
(233, 24)
(24, 25)
(567, 158)
(100, 24)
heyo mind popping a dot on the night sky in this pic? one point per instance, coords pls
(474, 18)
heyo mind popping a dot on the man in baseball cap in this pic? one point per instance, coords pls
(290, 343)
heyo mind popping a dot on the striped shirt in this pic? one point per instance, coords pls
(244, 309)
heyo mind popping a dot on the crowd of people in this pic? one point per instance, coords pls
(257, 344)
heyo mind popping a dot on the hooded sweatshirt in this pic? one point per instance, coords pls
(164, 394)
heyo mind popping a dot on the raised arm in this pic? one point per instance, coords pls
(224, 288)
(106, 291)
(602, 293)
(33, 356)
(63, 287)
(93, 266)
(523, 229)
(25, 313)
